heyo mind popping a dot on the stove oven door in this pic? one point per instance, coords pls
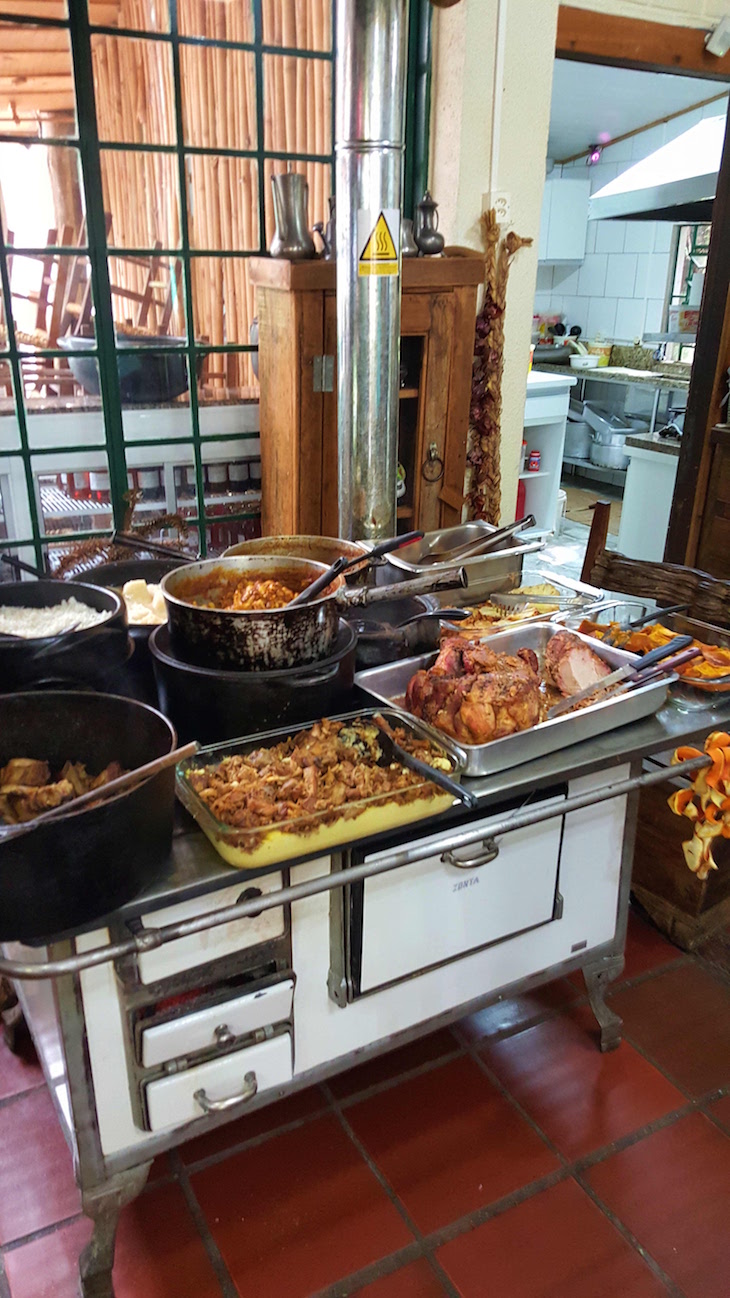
(450, 903)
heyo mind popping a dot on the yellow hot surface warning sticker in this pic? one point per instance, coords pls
(378, 242)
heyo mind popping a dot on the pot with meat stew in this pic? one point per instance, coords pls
(233, 612)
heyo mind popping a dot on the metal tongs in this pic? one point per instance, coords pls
(390, 751)
(679, 651)
(478, 545)
(342, 565)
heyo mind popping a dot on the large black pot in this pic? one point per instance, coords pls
(210, 704)
(78, 868)
(144, 375)
(92, 656)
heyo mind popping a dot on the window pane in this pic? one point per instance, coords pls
(298, 26)
(135, 99)
(219, 20)
(51, 296)
(222, 203)
(59, 384)
(227, 376)
(297, 104)
(219, 97)
(153, 218)
(147, 298)
(36, 79)
(43, 195)
(222, 299)
(40, 8)
(9, 427)
(15, 517)
(151, 378)
(76, 498)
(139, 15)
(319, 179)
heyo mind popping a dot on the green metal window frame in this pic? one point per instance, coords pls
(90, 150)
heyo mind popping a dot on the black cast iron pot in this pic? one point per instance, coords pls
(90, 656)
(79, 867)
(210, 704)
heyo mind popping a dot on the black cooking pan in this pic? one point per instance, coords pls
(89, 656)
(270, 639)
(79, 867)
(211, 704)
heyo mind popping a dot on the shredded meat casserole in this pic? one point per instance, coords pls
(326, 768)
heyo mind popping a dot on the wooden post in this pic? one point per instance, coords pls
(63, 169)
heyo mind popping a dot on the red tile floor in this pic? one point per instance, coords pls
(506, 1156)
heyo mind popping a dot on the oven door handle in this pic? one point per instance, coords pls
(250, 1087)
(490, 853)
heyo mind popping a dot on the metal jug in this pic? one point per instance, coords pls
(430, 241)
(292, 239)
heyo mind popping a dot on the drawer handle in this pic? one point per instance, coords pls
(250, 1087)
(490, 853)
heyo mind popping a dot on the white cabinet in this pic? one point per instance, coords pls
(564, 220)
(546, 413)
(647, 502)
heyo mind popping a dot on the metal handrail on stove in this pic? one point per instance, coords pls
(152, 938)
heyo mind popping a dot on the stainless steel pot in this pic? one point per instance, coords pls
(271, 639)
(608, 450)
(577, 439)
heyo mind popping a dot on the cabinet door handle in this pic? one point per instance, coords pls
(250, 1087)
(490, 853)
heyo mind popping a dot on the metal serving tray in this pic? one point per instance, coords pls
(486, 573)
(388, 685)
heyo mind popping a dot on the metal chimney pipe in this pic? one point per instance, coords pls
(371, 43)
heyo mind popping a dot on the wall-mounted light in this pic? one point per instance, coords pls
(717, 41)
(594, 155)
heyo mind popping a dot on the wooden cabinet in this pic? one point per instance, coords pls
(564, 220)
(713, 553)
(296, 308)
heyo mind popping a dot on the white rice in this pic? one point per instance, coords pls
(33, 623)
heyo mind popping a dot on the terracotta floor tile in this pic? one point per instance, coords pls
(682, 1019)
(414, 1281)
(582, 1099)
(555, 1245)
(49, 1267)
(37, 1187)
(159, 1255)
(720, 1111)
(18, 1072)
(645, 947)
(510, 1016)
(672, 1190)
(448, 1143)
(297, 1213)
(271, 1116)
(384, 1067)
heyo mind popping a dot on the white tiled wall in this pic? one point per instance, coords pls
(620, 288)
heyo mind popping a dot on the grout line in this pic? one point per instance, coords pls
(4, 1282)
(494, 1081)
(211, 1160)
(388, 1083)
(351, 1285)
(215, 1257)
(7, 1100)
(673, 1289)
(33, 1235)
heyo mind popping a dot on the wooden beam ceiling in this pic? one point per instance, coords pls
(634, 43)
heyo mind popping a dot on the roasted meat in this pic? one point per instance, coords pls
(477, 695)
(27, 788)
(571, 665)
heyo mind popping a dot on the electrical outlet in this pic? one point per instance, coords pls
(501, 202)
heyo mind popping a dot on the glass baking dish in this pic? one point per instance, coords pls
(265, 845)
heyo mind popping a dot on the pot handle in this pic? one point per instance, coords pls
(327, 674)
(449, 580)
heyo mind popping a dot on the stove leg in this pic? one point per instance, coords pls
(103, 1204)
(597, 979)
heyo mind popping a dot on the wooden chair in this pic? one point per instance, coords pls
(667, 583)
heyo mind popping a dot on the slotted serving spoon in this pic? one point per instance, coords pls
(390, 751)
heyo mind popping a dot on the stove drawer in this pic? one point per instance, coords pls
(435, 910)
(214, 943)
(219, 1085)
(215, 1025)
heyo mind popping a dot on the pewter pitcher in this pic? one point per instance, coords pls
(292, 239)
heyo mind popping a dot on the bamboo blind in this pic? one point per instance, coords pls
(135, 103)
